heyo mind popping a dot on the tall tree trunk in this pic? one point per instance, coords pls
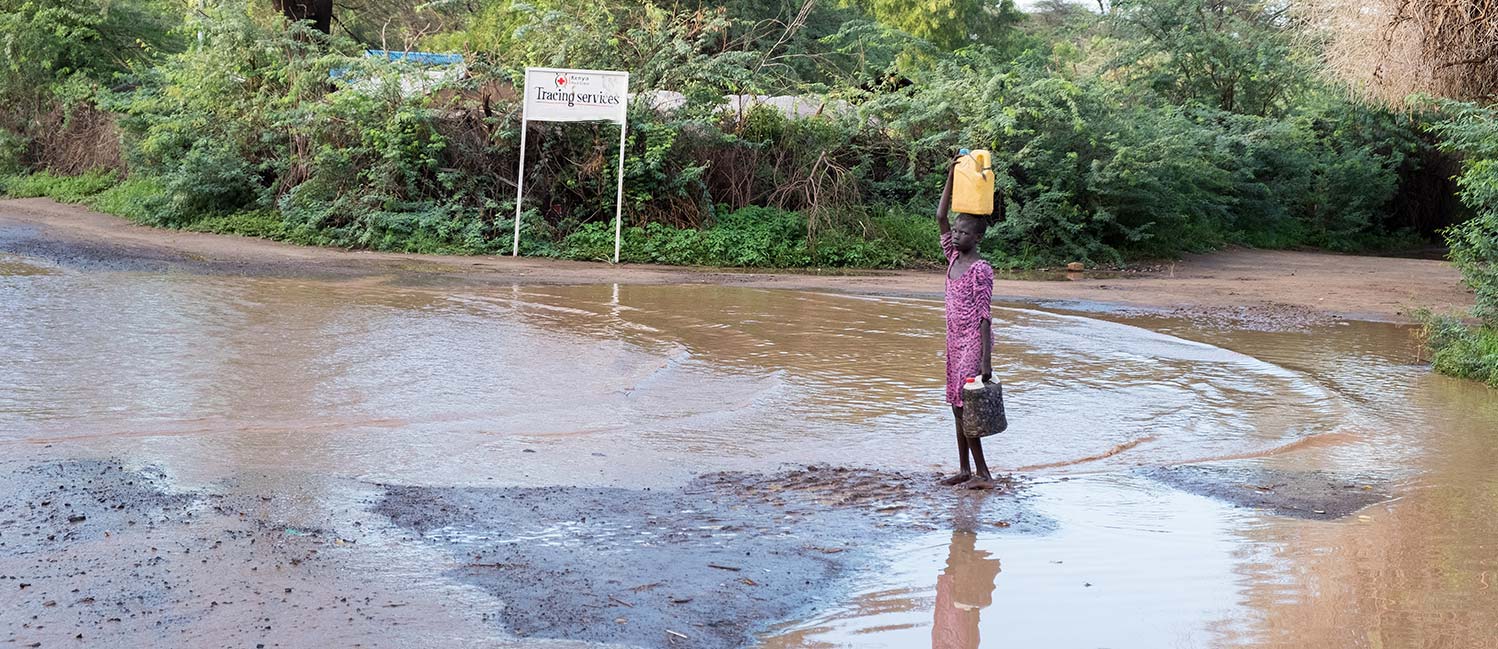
(320, 12)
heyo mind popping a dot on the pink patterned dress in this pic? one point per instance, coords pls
(968, 300)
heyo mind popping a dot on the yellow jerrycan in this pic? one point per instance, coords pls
(972, 183)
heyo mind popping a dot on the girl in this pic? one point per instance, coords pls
(969, 331)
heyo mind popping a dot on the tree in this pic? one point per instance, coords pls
(1235, 55)
(46, 43)
(948, 23)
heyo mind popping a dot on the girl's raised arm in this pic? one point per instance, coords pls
(946, 200)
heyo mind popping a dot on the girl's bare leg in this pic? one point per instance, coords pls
(966, 471)
(983, 479)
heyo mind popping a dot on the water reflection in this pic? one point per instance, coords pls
(1142, 565)
(964, 588)
(1416, 572)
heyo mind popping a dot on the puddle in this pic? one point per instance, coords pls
(265, 386)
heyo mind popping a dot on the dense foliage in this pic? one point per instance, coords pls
(1155, 129)
(1474, 244)
(1472, 352)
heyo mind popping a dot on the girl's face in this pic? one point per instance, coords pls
(967, 233)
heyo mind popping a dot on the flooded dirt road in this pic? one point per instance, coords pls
(388, 460)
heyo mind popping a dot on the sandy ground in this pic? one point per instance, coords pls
(1238, 287)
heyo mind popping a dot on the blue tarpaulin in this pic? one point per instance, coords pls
(419, 58)
(429, 59)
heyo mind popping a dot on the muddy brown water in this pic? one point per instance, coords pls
(311, 392)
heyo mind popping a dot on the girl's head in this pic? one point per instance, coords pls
(968, 231)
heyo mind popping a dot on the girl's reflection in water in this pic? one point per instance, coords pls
(963, 589)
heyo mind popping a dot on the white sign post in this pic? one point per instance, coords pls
(560, 95)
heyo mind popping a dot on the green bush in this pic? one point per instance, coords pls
(138, 199)
(265, 224)
(750, 237)
(211, 179)
(68, 189)
(1473, 131)
(1461, 351)
(1457, 349)
(1472, 356)
(913, 236)
(756, 237)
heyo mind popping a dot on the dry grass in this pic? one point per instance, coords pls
(1389, 49)
(71, 141)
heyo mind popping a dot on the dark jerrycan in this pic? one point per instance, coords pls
(983, 408)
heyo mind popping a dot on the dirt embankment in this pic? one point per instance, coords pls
(1237, 287)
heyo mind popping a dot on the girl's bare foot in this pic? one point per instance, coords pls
(978, 482)
(956, 479)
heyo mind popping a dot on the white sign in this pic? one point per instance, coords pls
(560, 95)
(556, 95)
